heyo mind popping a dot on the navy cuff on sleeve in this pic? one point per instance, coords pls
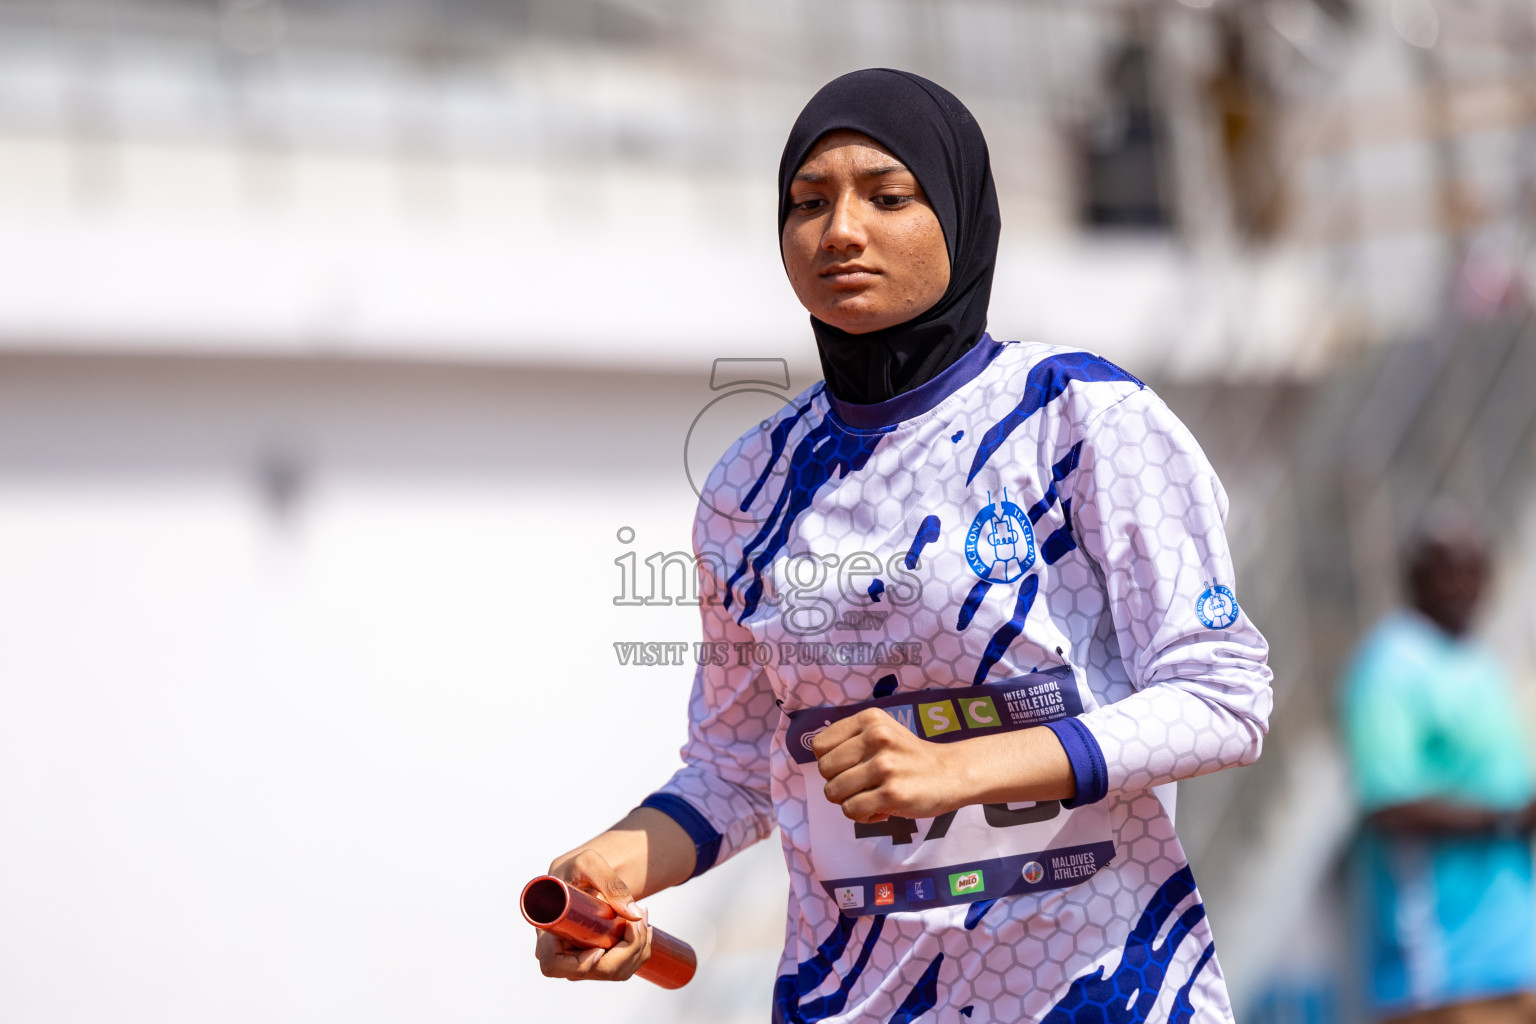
(1087, 761)
(706, 841)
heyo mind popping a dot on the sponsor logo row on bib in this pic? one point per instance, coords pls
(918, 890)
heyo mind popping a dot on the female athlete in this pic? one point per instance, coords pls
(1014, 626)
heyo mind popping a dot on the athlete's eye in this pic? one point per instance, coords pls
(892, 202)
(808, 204)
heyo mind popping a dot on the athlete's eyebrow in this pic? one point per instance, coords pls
(873, 172)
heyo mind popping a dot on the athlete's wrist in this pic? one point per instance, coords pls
(968, 774)
(964, 775)
(1028, 765)
(646, 849)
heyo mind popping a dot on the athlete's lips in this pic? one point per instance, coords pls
(849, 274)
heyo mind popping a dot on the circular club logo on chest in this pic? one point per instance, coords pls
(1000, 544)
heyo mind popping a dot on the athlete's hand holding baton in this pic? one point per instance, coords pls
(590, 927)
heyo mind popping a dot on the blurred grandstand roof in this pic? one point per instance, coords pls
(1188, 189)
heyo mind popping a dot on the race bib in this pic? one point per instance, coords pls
(975, 853)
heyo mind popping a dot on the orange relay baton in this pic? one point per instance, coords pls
(579, 917)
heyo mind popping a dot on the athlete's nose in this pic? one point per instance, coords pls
(845, 231)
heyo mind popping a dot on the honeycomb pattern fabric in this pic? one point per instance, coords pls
(1126, 581)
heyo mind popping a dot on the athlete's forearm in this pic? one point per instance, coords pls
(1011, 767)
(647, 849)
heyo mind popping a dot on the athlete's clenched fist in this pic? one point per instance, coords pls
(876, 768)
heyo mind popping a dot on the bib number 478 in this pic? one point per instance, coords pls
(901, 830)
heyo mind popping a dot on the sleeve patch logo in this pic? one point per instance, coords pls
(1000, 545)
(1216, 606)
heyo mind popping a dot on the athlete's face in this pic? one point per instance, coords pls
(862, 245)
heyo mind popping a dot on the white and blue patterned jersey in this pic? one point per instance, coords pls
(1032, 521)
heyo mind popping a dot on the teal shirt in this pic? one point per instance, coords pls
(1448, 919)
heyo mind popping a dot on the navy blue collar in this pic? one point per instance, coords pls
(884, 415)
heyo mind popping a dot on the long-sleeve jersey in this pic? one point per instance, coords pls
(1031, 538)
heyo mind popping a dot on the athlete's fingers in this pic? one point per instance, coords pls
(586, 960)
(547, 951)
(628, 956)
(865, 775)
(845, 729)
(852, 751)
(856, 739)
(590, 872)
(869, 807)
(829, 737)
(558, 958)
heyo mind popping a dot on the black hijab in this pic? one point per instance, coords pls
(930, 131)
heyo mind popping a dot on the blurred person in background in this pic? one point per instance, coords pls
(1441, 765)
(1045, 543)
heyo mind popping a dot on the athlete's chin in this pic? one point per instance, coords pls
(860, 314)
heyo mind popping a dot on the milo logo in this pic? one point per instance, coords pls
(966, 882)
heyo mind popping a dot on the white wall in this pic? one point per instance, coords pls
(295, 767)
